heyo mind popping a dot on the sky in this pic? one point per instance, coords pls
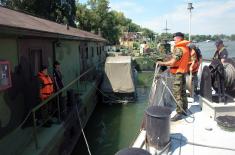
(208, 16)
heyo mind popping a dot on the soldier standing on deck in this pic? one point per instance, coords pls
(179, 68)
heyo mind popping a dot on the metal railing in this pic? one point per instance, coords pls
(95, 68)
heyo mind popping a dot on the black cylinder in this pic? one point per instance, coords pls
(132, 151)
(158, 126)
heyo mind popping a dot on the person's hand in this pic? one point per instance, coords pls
(159, 63)
(190, 68)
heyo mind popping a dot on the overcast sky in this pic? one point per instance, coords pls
(208, 16)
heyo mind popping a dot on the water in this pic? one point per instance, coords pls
(208, 48)
(112, 128)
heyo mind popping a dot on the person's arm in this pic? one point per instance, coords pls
(176, 56)
(170, 62)
(224, 55)
(193, 60)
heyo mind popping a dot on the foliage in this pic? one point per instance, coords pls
(55, 10)
(136, 45)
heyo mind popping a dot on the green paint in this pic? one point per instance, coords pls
(68, 56)
(8, 52)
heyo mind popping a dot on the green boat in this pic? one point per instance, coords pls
(28, 42)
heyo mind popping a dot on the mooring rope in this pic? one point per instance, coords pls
(87, 145)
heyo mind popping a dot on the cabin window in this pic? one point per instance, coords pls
(100, 50)
(5, 76)
(97, 50)
(87, 53)
(35, 56)
(92, 51)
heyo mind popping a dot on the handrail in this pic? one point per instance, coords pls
(63, 89)
(56, 94)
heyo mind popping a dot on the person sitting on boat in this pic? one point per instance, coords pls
(194, 63)
(221, 52)
(179, 68)
(46, 90)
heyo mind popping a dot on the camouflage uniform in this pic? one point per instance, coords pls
(179, 84)
(194, 75)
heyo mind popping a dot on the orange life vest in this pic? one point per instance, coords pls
(47, 88)
(196, 64)
(181, 66)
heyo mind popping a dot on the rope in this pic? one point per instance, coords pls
(163, 82)
(229, 74)
(114, 97)
(203, 145)
(87, 145)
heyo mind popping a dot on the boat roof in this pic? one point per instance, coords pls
(25, 24)
(119, 59)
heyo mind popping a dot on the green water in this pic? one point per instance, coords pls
(114, 127)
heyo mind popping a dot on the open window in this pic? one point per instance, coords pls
(5, 75)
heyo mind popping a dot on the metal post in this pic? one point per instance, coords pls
(35, 130)
(190, 7)
(58, 107)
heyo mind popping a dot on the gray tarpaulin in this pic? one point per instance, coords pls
(118, 75)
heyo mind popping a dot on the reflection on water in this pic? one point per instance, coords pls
(208, 48)
(112, 128)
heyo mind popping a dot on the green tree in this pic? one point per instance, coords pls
(55, 10)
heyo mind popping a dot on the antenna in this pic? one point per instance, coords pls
(166, 29)
(190, 8)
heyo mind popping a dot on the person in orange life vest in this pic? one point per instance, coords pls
(46, 84)
(178, 64)
(46, 89)
(194, 63)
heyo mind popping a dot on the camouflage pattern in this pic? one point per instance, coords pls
(177, 53)
(195, 82)
(179, 91)
(193, 57)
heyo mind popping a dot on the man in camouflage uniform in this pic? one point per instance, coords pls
(179, 67)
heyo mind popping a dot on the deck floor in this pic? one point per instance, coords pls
(200, 129)
(192, 131)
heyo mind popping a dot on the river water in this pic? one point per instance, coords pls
(208, 48)
(112, 128)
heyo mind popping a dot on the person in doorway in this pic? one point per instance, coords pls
(57, 76)
(221, 52)
(178, 64)
(194, 63)
(46, 90)
(58, 84)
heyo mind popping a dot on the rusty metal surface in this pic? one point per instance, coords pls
(18, 20)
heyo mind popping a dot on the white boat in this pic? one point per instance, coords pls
(199, 132)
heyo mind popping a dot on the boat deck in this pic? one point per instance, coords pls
(196, 134)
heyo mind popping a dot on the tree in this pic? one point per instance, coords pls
(55, 10)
